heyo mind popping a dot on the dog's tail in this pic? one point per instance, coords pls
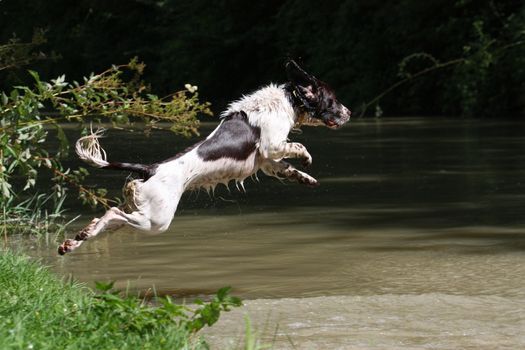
(89, 150)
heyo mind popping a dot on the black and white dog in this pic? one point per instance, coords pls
(252, 136)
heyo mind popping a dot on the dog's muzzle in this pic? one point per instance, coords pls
(336, 121)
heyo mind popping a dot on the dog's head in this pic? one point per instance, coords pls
(316, 98)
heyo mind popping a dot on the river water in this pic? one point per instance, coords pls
(414, 240)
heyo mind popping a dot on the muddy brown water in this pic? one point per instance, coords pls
(415, 239)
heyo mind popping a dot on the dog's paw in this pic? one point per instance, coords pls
(68, 246)
(305, 179)
(312, 183)
(307, 161)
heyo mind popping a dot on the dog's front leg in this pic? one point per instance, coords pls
(282, 169)
(291, 150)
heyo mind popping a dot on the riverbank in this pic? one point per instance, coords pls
(40, 311)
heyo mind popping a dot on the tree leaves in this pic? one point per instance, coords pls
(117, 95)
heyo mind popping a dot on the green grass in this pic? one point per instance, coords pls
(40, 311)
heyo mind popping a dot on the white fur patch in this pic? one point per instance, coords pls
(269, 109)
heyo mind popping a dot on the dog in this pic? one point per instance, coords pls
(251, 136)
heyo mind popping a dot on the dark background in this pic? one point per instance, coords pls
(230, 47)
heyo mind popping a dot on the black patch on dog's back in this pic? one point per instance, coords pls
(235, 139)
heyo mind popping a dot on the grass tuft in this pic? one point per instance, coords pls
(40, 311)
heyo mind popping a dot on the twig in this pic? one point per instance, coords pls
(410, 78)
(69, 180)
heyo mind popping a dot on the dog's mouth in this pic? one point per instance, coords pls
(334, 123)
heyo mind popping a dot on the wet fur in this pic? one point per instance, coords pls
(251, 136)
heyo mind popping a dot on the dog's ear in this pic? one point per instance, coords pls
(300, 78)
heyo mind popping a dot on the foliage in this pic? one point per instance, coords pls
(471, 70)
(27, 216)
(41, 312)
(16, 54)
(208, 313)
(233, 47)
(472, 74)
(116, 95)
(132, 314)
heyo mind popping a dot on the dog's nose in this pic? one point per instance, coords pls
(346, 112)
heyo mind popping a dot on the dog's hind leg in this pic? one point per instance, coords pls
(152, 208)
(282, 169)
(113, 219)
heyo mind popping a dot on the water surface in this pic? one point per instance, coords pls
(415, 238)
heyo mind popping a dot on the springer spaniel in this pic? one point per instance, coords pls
(252, 136)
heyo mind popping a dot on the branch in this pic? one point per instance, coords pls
(81, 189)
(433, 68)
(406, 80)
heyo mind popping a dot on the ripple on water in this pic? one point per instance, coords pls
(427, 321)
